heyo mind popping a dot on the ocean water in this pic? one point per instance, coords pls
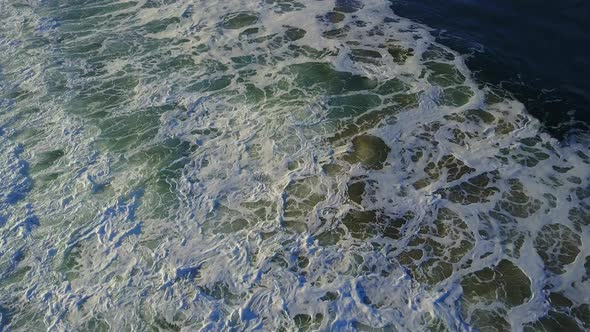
(538, 51)
(275, 165)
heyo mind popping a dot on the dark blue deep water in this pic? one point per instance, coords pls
(538, 50)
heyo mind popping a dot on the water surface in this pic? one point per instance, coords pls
(274, 165)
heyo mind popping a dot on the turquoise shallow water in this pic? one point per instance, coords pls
(274, 165)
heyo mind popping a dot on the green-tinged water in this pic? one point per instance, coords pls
(274, 165)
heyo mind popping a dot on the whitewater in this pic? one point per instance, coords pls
(276, 165)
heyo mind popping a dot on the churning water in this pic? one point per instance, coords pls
(274, 165)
